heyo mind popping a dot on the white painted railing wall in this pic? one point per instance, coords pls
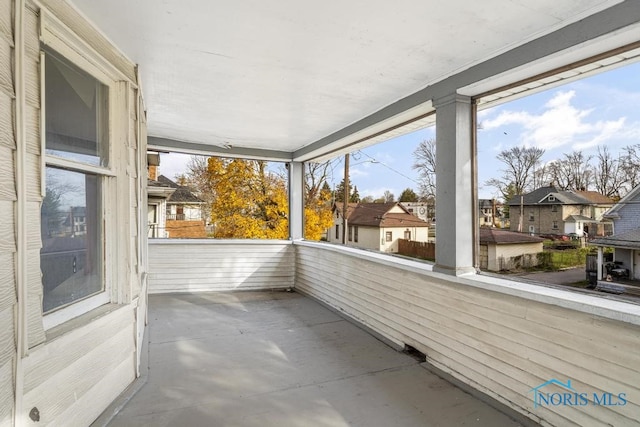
(500, 337)
(190, 265)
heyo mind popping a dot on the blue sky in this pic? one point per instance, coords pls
(600, 110)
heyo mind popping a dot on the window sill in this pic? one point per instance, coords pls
(82, 320)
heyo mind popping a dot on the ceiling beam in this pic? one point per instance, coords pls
(167, 144)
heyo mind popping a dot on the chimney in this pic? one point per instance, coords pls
(153, 161)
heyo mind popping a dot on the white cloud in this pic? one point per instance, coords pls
(560, 123)
(357, 172)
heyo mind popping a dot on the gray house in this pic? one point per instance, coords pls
(625, 240)
(549, 210)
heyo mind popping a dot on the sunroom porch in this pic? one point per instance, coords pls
(496, 338)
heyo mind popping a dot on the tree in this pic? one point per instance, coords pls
(367, 199)
(408, 195)
(631, 166)
(249, 202)
(609, 177)
(355, 196)
(520, 164)
(317, 214)
(425, 162)
(572, 172)
(317, 209)
(198, 180)
(388, 196)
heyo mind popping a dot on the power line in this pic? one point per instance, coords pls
(390, 168)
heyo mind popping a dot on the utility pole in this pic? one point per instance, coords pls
(345, 202)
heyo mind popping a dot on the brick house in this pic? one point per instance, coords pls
(548, 210)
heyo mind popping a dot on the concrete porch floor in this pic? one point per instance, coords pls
(281, 359)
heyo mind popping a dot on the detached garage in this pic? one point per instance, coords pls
(504, 250)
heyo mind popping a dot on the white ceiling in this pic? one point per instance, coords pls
(284, 74)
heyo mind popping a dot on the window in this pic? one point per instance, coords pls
(350, 233)
(552, 198)
(407, 235)
(555, 225)
(355, 233)
(337, 231)
(531, 217)
(554, 208)
(389, 236)
(76, 157)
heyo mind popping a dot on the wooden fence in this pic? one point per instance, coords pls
(422, 250)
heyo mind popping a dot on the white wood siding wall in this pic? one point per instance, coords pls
(501, 344)
(75, 376)
(33, 176)
(7, 209)
(209, 265)
(75, 370)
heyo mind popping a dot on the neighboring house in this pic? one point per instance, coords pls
(183, 211)
(548, 210)
(423, 210)
(75, 222)
(377, 226)
(157, 195)
(626, 238)
(504, 250)
(490, 213)
(183, 205)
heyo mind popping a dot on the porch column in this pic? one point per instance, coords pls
(296, 200)
(454, 189)
(600, 263)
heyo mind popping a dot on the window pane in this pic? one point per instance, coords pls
(71, 254)
(76, 113)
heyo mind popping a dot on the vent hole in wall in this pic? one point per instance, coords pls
(415, 353)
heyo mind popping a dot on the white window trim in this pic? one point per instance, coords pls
(64, 42)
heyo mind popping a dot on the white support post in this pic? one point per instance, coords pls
(454, 190)
(296, 200)
(600, 263)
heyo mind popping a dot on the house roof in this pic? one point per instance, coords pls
(579, 218)
(338, 206)
(627, 240)
(378, 215)
(182, 194)
(595, 197)
(541, 196)
(497, 236)
(159, 189)
(633, 195)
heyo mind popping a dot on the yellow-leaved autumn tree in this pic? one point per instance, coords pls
(317, 215)
(249, 202)
(317, 210)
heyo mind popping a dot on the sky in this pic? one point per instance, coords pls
(603, 109)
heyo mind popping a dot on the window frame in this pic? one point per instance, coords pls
(388, 236)
(62, 48)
